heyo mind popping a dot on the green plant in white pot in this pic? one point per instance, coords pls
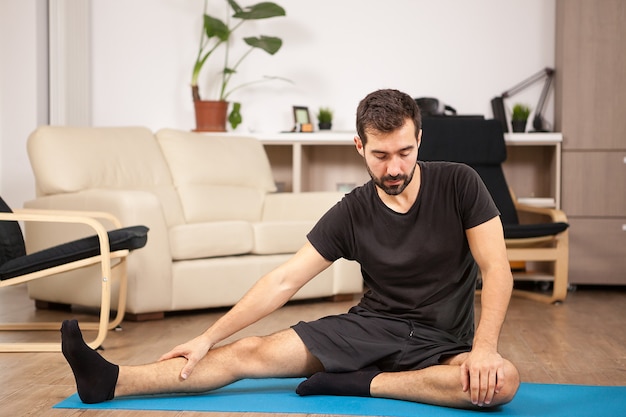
(217, 33)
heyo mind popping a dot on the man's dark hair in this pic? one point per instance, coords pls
(385, 111)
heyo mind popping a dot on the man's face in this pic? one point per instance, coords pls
(391, 158)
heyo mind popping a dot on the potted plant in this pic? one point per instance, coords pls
(519, 117)
(325, 118)
(215, 33)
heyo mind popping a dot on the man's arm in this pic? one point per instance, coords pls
(268, 294)
(483, 371)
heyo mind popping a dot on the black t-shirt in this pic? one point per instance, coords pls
(417, 265)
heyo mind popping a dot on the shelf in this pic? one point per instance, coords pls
(529, 139)
(313, 138)
(347, 138)
(546, 202)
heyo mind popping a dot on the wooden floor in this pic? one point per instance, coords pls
(582, 341)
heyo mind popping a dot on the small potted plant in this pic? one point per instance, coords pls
(519, 117)
(215, 33)
(325, 118)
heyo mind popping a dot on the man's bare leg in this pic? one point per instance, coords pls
(279, 355)
(436, 385)
(440, 385)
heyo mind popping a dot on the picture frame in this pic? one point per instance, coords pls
(301, 115)
(302, 119)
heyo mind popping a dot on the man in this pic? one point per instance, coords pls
(419, 231)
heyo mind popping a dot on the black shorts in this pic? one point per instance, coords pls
(360, 339)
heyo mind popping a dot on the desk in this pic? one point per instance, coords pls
(326, 160)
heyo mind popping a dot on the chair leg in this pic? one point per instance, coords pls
(560, 273)
(558, 257)
(559, 286)
(561, 268)
(102, 326)
(105, 324)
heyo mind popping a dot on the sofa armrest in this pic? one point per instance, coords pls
(149, 270)
(299, 206)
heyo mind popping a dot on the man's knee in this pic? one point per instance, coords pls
(511, 385)
(248, 347)
(263, 349)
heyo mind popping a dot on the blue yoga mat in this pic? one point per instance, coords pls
(278, 396)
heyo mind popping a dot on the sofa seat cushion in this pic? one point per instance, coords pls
(211, 239)
(275, 237)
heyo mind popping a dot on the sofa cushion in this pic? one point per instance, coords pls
(71, 159)
(207, 203)
(210, 239)
(275, 237)
(217, 177)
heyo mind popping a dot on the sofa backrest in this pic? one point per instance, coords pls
(72, 159)
(217, 177)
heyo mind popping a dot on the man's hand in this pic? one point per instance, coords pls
(482, 374)
(194, 350)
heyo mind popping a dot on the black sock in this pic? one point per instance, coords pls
(348, 383)
(95, 376)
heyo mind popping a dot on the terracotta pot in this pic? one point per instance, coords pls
(210, 115)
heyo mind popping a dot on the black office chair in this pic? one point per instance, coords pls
(480, 144)
(109, 249)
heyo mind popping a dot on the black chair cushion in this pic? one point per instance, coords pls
(11, 239)
(130, 238)
(518, 231)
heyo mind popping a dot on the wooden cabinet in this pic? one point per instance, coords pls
(590, 103)
(597, 254)
(594, 184)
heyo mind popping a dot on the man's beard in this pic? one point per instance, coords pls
(392, 189)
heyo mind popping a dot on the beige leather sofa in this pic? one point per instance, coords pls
(216, 222)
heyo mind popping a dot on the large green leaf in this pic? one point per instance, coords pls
(236, 8)
(215, 27)
(263, 10)
(269, 44)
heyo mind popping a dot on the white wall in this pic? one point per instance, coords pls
(335, 51)
(464, 52)
(23, 92)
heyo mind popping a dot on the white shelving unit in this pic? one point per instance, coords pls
(300, 163)
(325, 161)
(298, 141)
(542, 153)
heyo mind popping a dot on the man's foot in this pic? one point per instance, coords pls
(349, 383)
(95, 376)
